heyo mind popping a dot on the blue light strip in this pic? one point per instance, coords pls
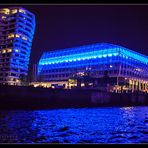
(135, 55)
(95, 51)
(78, 57)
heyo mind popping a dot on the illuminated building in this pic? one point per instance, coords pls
(124, 67)
(17, 26)
(34, 73)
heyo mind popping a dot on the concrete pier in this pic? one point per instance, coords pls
(12, 97)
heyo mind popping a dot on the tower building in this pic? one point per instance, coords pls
(17, 27)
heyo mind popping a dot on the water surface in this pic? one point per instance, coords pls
(75, 125)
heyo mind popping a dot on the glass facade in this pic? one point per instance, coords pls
(119, 62)
(17, 26)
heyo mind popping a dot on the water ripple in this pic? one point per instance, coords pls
(83, 125)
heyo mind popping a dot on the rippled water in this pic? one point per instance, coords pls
(83, 125)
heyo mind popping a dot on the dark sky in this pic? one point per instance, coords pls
(64, 26)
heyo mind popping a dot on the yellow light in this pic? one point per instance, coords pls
(10, 36)
(5, 11)
(17, 80)
(4, 51)
(22, 11)
(14, 11)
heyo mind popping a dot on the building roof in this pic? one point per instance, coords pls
(99, 50)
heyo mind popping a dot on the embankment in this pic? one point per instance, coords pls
(21, 97)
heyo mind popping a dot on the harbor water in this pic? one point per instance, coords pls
(75, 125)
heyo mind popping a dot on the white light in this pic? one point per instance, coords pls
(109, 55)
(115, 54)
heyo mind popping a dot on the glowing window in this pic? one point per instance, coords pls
(14, 11)
(17, 35)
(24, 38)
(10, 36)
(5, 11)
(22, 11)
(9, 50)
(3, 17)
(16, 50)
(4, 51)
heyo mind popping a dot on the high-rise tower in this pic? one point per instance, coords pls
(17, 26)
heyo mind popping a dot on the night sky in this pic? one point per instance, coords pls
(64, 26)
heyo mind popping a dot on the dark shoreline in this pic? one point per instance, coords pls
(21, 97)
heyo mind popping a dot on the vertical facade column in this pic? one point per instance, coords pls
(133, 85)
(139, 85)
(142, 85)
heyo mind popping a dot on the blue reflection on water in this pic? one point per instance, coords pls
(83, 125)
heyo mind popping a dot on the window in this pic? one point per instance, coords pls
(3, 17)
(24, 38)
(3, 51)
(17, 35)
(16, 50)
(10, 35)
(22, 11)
(9, 50)
(5, 11)
(14, 11)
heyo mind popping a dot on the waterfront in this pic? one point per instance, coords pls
(75, 125)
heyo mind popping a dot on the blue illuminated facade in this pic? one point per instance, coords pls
(122, 64)
(17, 27)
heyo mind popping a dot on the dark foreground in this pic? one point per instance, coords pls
(83, 125)
(16, 97)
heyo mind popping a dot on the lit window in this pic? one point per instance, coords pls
(16, 50)
(109, 55)
(10, 36)
(17, 35)
(17, 80)
(22, 11)
(9, 50)
(104, 55)
(14, 11)
(24, 38)
(3, 17)
(4, 51)
(5, 11)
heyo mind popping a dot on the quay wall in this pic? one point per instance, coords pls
(22, 97)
